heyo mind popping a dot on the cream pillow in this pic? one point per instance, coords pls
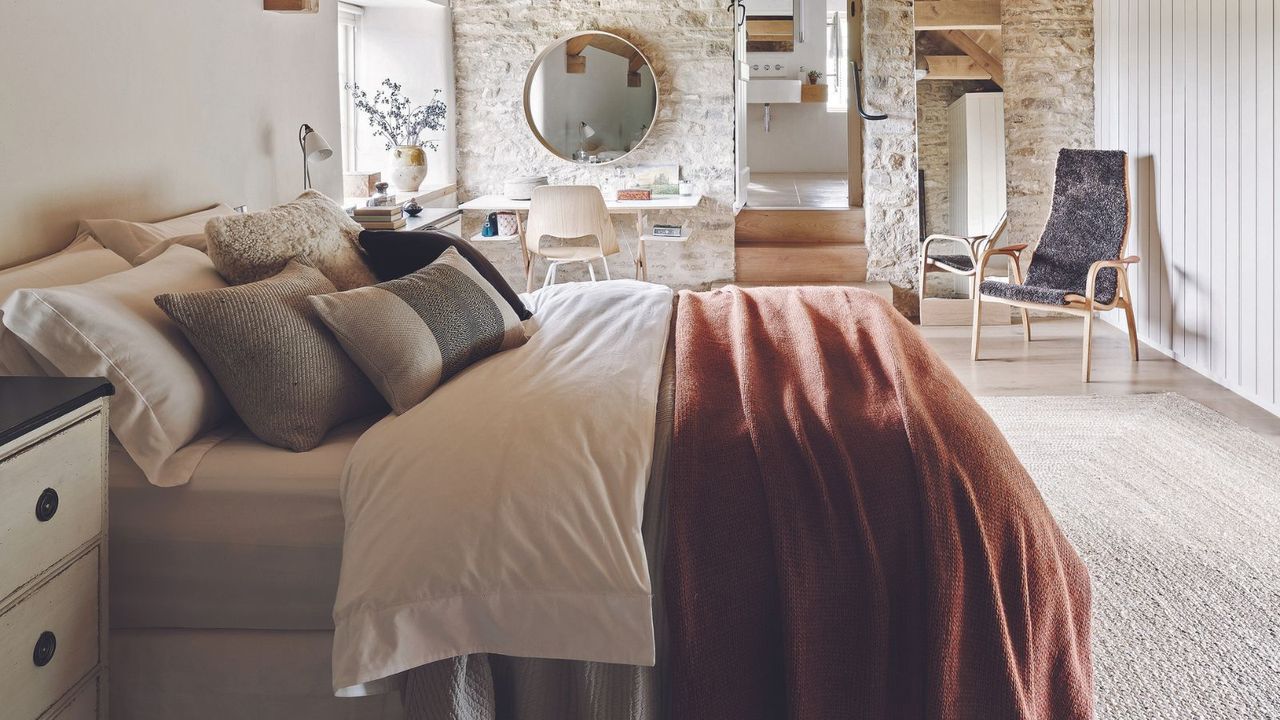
(139, 242)
(84, 260)
(255, 246)
(110, 327)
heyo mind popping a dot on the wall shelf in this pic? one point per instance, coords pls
(291, 6)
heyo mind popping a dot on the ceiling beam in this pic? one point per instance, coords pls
(969, 47)
(954, 67)
(958, 15)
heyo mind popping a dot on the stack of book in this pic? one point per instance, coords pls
(386, 217)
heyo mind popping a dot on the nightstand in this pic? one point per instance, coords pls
(53, 553)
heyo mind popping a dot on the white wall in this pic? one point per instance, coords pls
(802, 137)
(414, 47)
(1189, 89)
(143, 109)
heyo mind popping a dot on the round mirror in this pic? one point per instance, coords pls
(591, 98)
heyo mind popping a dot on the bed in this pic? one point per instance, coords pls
(735, 504)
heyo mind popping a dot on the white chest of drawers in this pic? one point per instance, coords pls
(53, 556)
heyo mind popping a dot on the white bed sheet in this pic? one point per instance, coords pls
(503, 514)
(254, 541)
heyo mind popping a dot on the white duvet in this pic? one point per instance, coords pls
(503, 514)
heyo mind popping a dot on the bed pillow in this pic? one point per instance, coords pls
(110, 327)
(412, 334)
(283, 371)
(255, 246)
(393, 255)
(138, 242)
(84, 260)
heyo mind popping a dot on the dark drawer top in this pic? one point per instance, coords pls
(26, 403)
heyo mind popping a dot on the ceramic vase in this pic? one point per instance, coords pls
(408, 167)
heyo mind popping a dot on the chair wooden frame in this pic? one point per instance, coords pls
(974, 246)
(1084, 306)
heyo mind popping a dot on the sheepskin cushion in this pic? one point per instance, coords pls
(255, 246)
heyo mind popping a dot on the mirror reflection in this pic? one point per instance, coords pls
(771, 25)
(591, 98)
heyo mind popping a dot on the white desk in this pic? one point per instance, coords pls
(639, 208)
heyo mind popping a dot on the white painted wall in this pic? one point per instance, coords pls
(1188, 88)
(802, 137)
(414, 47)
(144, 109)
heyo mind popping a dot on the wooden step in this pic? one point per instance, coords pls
(801, 226)
(801, 264)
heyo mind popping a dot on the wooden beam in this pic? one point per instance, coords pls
(955, 67)
(958, 15)
(856, 182)
(576, 45)
(291, 6)
(971, 48)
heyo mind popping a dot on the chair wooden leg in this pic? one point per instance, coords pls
(1015, 269)
(528, 276)
(1133, 330)
(977, 323)
(1088, 346)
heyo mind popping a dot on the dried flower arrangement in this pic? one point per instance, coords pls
(393, 116)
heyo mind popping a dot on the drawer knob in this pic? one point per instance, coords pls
(45, 647)
(47, 505)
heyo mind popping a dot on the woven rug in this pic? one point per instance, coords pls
(1176, 511)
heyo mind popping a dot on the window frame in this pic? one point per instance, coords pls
(350, 19)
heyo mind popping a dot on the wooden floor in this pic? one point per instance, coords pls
(1051, 366)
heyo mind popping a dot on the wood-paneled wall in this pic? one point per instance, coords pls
(1189, 89)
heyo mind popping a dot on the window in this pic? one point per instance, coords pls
(349, 17)
(838, 62)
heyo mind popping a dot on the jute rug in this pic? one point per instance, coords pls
(1176, 511)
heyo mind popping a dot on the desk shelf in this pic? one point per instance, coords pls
(496, 238)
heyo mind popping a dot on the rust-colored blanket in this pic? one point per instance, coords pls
(850, 535)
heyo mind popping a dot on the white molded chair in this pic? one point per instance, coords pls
(569, 212)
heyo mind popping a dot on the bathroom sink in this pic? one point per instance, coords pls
(772, 90)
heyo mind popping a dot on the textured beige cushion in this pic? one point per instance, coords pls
(138, 242)
(247, 248)
(84, 260)
(110, 327)
(282, 370)
(412, 334)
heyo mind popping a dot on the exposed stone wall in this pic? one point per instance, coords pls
(689, 43)
(892, 195)
(1049, 95)
(934, 98)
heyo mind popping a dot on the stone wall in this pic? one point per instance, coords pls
(689, 43)
(892, 195)
(934, 98)
(1049, 94)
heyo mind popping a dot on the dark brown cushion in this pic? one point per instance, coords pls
(393, 255)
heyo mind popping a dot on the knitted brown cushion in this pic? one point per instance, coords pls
(283, 371)
(412, 334)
